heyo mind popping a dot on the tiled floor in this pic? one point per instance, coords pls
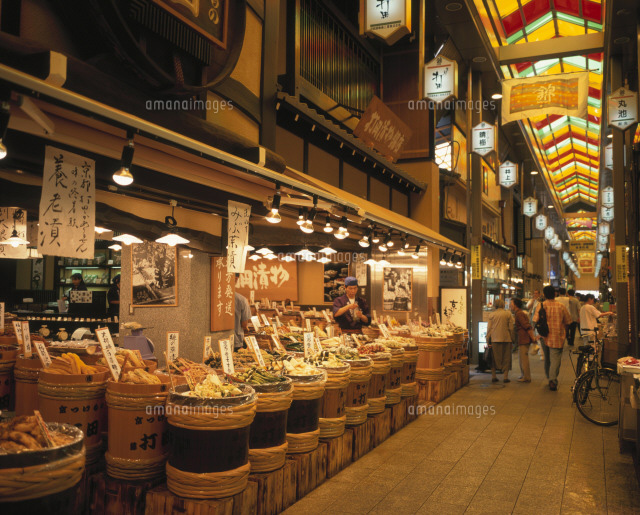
(533, 453)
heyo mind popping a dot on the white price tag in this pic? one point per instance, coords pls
(252, 297)
(17, 328)
(438, 319)
(252, 343)
(276, 342)
(43, 353)
(278, 312)
(206, 349)
(274, 305)
(318, 344)
(309, 342)
(307, 322)
(315, 312)
(2, 316)
(109, 351)
(326, 316)
(265, 320)
(173, 345)
(257, 306)
(256, 323)
(26, 340)
(278, 323)
(330, 331)
(384, 330)
(375, 316)
(226, 356)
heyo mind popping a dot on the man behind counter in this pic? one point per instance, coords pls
(351, 312)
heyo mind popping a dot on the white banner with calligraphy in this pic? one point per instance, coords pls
(564, 94)
(9, 215)
(67, 206)
(238, 236)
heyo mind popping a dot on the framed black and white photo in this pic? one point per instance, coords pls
(154, 275)
(453, 306)
(398, 289)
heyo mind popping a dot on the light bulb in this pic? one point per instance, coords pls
(3, 150)
(123, 177)
(307, 227)
(328, 227)
(273, 217)
(364, 242)
(382, 248)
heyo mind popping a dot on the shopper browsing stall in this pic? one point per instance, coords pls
(589, 314)
(350, 311)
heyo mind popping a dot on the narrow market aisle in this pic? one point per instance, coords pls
(531, 453)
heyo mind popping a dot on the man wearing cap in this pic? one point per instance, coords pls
(351, 312)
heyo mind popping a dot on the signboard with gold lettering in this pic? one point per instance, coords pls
(476, 262)
(622, 264)
(209, 18)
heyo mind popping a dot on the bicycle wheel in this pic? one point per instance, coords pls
(597, 396)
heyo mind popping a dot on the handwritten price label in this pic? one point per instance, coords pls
(206, 349)
(109, 351)
(226, 355)
(43, 353)
(26, 340)
(384, 330)
(252, 343)
(309, 342)
(173, 345)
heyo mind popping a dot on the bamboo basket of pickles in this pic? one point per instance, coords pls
(380, 370)
(332, 414)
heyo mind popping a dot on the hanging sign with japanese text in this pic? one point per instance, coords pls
(278, 279)
(508, 174)
(549, 233)
(541, 222)
(389, 20)
(440, 79)
(604, 228)
(530, 207)
(173, 345)
(222, 295)
(608, 156)
(238, 236)
(10, 218)
(476, 262)
(483, 140)
(226, 356)
(606, 213)
(109, 351)
(607, 196)
(622, 108)
(67, 206)
(582, 246)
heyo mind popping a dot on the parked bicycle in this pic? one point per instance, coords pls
(596, 391)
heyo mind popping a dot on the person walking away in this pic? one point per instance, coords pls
(589, 315)
(524, 338)
(574, 311)
(532, 305)
(499, 331)
(563, 299)
(558, 319)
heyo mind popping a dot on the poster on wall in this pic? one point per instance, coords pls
(276, 280)
(398, 289)
(222, 296)
(453, 306)
(13, 218)
(154, 275)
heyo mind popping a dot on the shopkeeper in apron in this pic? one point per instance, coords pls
(351, 312)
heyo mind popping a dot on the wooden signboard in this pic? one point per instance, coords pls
(277, 280)
(222, 296)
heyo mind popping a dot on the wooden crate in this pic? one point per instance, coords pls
(433, 391)
(339, 453)
(109, 496)
(362, 439)
(451, 384)
(398, 417)
(161, 500)
(465, 375)
(84, 498)
(410, 408)
(273, 488)
(459, 378)
(381, 426)
(311, 469)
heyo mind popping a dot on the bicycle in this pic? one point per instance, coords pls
(596, 391)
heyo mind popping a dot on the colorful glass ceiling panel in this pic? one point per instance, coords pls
(583, 235)
(567, 147)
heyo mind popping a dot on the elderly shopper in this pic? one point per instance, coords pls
(499, 331)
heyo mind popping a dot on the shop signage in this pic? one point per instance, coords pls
(603, 238)
(541, 222)
(238, 236)
(476, 262)
(563, 94)
(109, 351)
(622, 264)
(42, 352)
(380, 128)
(252, 343)
(582, 246)
(278, 279)
(206, 348)
(26, 339)
(308, 344)
(549, 233)
(67, 206)
(483, 140)
(207, 18)
(223, 301)
(17, 328)
(530, 207)
(622, 108)
(389, 20)
(226, 356)
(604, 228)
(606, 214)
(453, 306)
(508, 174)
(276, 342)
(557, 245)
(554, 241)
(607, 196)
(9, 215)
(440, 79)
(608, 156)
(173, 345)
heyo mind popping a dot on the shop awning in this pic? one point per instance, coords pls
(381, 215)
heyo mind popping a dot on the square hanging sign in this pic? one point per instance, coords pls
(604, 228)
(607, 196)
(483, 140)
(530, 207)
(541, 222)
(389, 20)
(606, 214)
(440, 79)
(622, 108)
(508, 174)
(549, 233)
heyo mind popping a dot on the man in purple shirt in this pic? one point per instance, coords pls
(351, 312)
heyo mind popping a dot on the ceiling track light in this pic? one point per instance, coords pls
(123, 176)
(342, 231)
(443, 260)
(388, 242)
(375, 238)
(171, 237)
(416, 253)
(5, 114)
(328, 228)
(273, 216)
(301, 216)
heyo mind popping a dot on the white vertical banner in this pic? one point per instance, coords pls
(67, 206)
(9, 215)
(238, 236)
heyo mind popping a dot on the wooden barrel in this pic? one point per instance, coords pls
(357, 407)
(44, 480)
(380, 370)
(209, 452)
(332, 414)
(393, 388)
(78, 400)
(8, 356)
(26, 374)
(303, 428)
(431, 359)
(268, 433)
(409, 385)
(8, 340)
(138, 437)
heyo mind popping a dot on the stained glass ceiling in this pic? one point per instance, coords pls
(567, 147)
